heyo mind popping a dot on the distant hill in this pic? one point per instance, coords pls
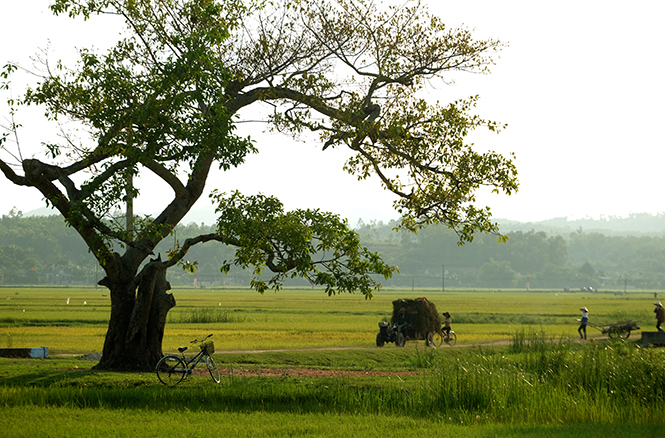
(635, 224)
(43, 211)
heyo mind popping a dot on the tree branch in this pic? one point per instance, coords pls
(167, 176)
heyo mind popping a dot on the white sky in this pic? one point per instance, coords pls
(580, 87)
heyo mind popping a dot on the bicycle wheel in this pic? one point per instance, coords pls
(212, 368)
(452, 339)
(171, 370)
(437, 339)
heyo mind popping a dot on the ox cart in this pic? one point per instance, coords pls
(619, 330)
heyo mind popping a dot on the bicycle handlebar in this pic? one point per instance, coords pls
(196, 340)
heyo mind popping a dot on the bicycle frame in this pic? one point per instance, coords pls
(192, 361)
(172, 369)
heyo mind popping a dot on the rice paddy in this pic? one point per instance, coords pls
(70, 320)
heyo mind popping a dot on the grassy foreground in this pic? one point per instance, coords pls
(534, 387)
(537, 382)
(68, 422)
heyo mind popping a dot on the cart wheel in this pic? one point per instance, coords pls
(380, 342)
(429, 339)
(614, 333)
(399, 340)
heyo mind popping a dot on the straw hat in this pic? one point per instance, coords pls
(657, 303)
(584, 308)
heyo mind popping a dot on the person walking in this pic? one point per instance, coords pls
(660, 315)
(583, 322)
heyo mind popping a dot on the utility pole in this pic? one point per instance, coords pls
(443, 277)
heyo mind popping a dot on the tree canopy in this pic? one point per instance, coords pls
(167, 97)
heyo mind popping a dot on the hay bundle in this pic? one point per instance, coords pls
(424, 316)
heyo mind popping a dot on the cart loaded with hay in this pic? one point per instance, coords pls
(425, 321)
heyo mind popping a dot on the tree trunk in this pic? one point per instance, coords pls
(136, 327)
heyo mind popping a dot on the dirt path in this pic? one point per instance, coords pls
(412, 345)
(304, 372)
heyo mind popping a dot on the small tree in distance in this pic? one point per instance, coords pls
(166, 98)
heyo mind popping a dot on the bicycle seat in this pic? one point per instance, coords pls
(182, 349)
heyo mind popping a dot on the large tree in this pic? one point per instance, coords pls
(166, 99)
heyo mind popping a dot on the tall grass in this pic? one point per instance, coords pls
(205, 315)
(545, 380)
(560, 385)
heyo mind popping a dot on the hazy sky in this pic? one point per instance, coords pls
(580, 86)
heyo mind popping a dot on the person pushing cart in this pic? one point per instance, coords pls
(583, 322)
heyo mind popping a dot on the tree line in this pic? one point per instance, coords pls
(43, 250)
(545, 260)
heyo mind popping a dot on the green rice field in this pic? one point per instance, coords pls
(300, 363)
(71, 320)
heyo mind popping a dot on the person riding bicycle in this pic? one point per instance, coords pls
(447, 321)
(403, 321)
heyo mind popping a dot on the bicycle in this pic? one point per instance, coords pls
(172, 369)
(439, 338)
